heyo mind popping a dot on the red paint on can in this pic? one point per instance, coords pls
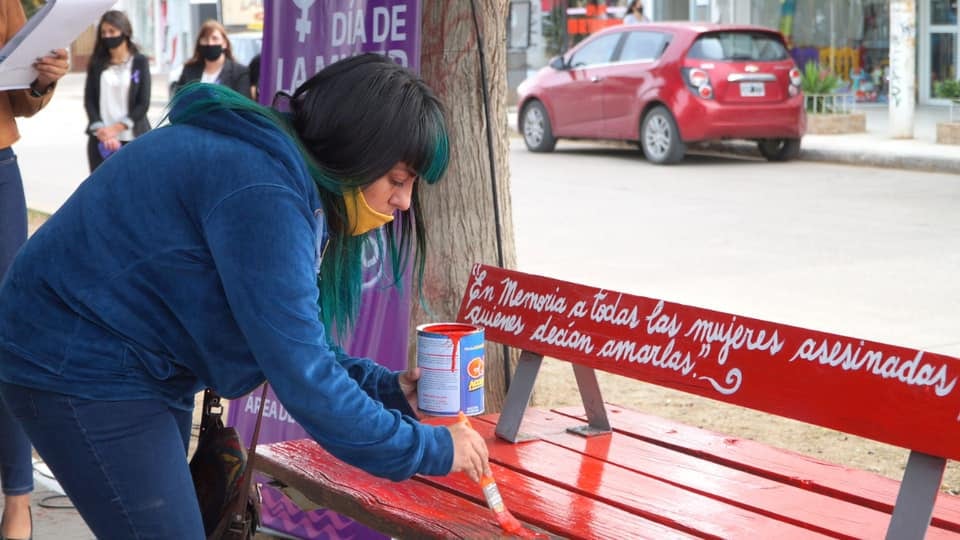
(450, 357)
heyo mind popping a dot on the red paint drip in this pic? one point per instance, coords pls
(455, 338)
(454, 332)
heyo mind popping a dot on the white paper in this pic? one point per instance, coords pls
(54, 26)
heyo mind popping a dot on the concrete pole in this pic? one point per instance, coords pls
(903, 75)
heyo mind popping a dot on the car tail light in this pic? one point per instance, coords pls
(698, 78)
(699, 81)
(795, 77)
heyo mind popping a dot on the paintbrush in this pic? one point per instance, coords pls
(491, 493)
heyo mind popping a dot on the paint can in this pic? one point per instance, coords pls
(451, 361)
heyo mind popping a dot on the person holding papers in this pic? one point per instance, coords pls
(16, 463)
(117, 92)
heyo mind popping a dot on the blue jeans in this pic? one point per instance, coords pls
(16, 464)
(122, 463)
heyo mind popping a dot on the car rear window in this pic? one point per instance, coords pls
(742, 46)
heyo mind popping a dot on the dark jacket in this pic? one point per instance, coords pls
(137, 104)
(233, 75)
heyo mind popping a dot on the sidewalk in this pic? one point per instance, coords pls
(874, 148)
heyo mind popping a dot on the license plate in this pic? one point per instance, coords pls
(752, 89)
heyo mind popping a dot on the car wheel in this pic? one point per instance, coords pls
(535, 127)
(660, 138)
(779, 149)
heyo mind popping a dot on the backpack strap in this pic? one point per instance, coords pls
(238, 509)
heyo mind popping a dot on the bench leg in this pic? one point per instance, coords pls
(298, 498)
(597, 422)
(518, 396)
(918, 493)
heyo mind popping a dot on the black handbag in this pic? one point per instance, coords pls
(222, 474)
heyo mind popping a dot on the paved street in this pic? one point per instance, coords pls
(853, 250)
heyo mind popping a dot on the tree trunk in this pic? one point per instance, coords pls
(461, 212)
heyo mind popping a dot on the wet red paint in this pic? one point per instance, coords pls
(495, 502)
(454, 332)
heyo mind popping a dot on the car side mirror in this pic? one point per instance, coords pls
(557, 63)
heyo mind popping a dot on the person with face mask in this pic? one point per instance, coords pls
(213, 62)
(220, 251)
(634, 13)
(117, 91)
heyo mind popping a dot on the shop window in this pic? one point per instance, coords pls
(851, 38)
(943, 65)
(943, 11)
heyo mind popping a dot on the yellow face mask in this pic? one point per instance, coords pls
(360, 217)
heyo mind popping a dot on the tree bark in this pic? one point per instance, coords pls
(460, 209)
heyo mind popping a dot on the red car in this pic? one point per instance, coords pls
(666, 85)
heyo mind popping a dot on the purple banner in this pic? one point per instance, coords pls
(300, 38)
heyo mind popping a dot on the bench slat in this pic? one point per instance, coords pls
(535, 501)
(778, 500)
(633, 492)
(394, 508)
(445, 507)
(853, 485)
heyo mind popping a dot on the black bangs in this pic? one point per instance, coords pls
(374, 114)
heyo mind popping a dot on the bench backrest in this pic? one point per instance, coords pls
(891, 394)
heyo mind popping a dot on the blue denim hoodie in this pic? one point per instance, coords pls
(188, 260)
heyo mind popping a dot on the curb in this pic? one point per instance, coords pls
(865, 158)
(862, 158)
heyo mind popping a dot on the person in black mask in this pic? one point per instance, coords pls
(213, 62)
(117, 92)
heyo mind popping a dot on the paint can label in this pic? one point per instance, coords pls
(451, 361)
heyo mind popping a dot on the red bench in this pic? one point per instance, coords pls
(603, 471)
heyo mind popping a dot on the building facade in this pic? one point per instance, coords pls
(851, 37)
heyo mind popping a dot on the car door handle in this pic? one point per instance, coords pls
(596, 79)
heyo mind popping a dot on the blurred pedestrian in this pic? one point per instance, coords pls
(16, 460)
(213, 62)
(634, 13)
(117, 91)
(221, 251)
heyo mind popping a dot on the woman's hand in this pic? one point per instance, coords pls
(112, 144)
(408, 385)
(470, 454)
(51, 68)
(104, 134)
(110, 132)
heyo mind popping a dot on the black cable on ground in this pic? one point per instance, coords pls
(45, 502)
(493, 167)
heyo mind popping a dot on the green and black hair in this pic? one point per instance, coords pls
(353, 122)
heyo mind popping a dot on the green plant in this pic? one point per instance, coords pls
(949, 89)
(816, 83)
